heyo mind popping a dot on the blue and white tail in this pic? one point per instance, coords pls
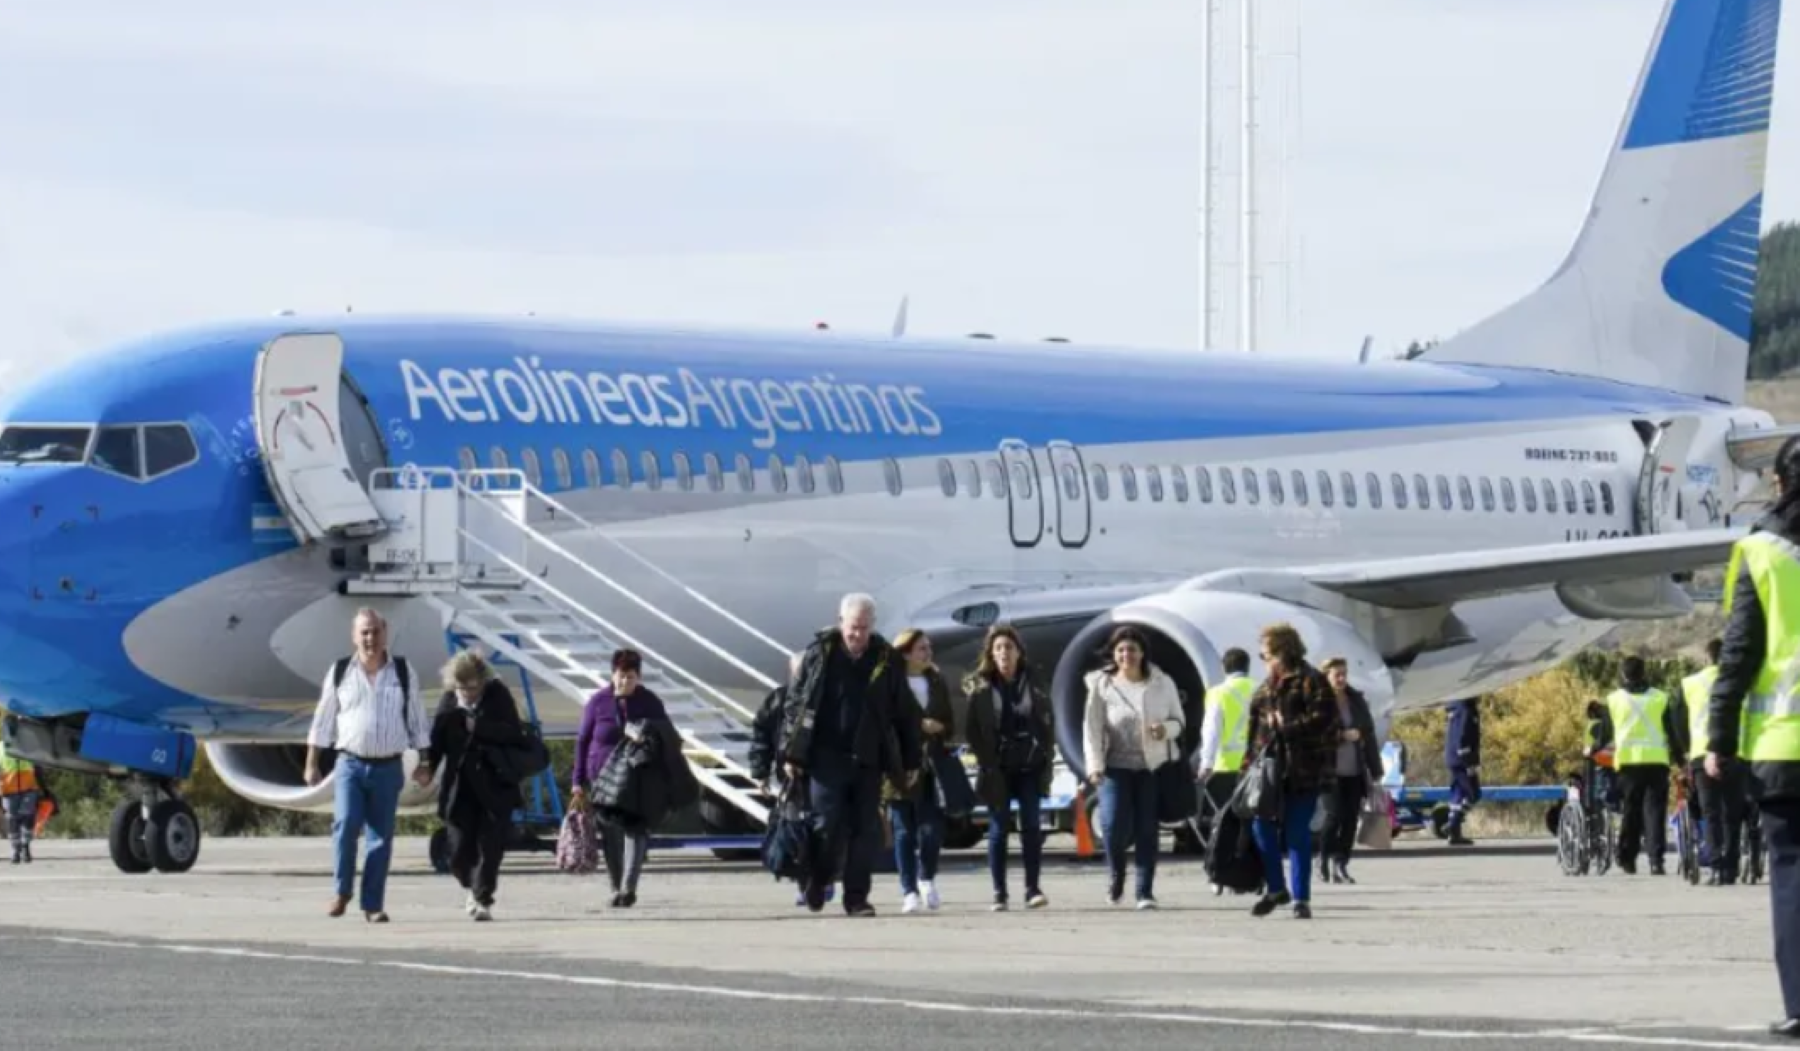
(1658, 287)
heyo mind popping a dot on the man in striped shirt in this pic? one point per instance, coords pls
(370, 714)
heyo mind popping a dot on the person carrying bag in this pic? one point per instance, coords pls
(1295, 719)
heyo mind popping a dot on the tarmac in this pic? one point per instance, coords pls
(1432, 948)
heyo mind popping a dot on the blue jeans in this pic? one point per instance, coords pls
(368, 797)
(1022, 788)
(1128, 818)
(918, 837)
(1296, 820)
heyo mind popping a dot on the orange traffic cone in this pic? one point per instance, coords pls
(1084, 832)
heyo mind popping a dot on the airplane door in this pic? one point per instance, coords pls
(1663, 474)
(1068, 477)
(1024, 493)
(303, 440)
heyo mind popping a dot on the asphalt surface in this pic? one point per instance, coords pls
(1432, 948)
(197, 998)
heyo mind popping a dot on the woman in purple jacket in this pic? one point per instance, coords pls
(612, 714)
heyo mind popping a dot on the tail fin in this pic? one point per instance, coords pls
(1657, 289)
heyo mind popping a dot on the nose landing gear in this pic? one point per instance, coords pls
(153, 828)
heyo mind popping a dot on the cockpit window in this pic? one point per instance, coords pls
(116, 451)
(38, 444)
(166, 447)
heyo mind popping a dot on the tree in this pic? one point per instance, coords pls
(1775, 315)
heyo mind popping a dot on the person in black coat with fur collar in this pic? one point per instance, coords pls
(477, 710)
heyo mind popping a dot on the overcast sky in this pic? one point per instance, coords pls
(1022, 167)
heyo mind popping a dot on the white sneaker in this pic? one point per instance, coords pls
(911, 903)
(482, 914)
(932, 901)
(469, 903)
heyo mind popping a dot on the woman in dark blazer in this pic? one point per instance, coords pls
(605, 724)
(477, 712)
(1358, 770)
(917, 818)
(1012, 732)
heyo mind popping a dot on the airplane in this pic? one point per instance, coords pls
(191, 519)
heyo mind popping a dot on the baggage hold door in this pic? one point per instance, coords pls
(303, 442)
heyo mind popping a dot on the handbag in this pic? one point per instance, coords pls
(1261, 795)
(577, 847)
(955, 795)
(787, 847)
(518, 761)
(1177, 794)
(1377, 829)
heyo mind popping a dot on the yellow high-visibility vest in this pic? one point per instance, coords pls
(1696, 692)
(1771, 715)
(1233, 698)
(1638, 737)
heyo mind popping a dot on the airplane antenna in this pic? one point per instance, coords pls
(1362, 356)
(900, 318)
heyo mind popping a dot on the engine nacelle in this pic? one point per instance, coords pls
(1189, 632)
(274, 775)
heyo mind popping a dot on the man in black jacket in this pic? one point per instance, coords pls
(845, 722)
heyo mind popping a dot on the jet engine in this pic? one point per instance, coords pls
(274, 775)
(1189, 631)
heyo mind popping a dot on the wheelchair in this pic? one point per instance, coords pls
(1688, 831)
(1586, 828)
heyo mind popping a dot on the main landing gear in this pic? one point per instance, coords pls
(153, 828)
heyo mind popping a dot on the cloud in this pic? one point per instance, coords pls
(1025, 168)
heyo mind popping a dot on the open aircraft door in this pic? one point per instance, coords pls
(304, 442)
(1663, 475)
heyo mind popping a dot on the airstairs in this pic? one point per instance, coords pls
(482, 547)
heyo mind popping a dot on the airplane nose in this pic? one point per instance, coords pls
(37, 617)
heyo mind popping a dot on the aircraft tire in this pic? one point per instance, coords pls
(172, 836)
(125, 838)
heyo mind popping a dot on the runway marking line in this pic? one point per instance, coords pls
(1581, 1035)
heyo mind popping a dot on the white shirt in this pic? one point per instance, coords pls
(921, 688)
(1212, 728)
(368, 717)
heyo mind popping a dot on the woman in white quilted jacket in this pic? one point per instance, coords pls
(1131, 724)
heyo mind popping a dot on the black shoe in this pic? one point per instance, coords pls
(815, 898)
(1789, 1028)
(1302, 910)
(1269, 903)
(860, 910)
(627, 899)
(1115, 890)
(1628, 866)
(1325, 872)
(1457, 839)
(1342, 873)
(1656, 868)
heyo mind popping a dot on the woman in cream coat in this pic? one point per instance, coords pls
(1132, 721)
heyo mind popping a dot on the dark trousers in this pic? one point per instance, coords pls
(477, 841)
(1722, 803)
(624, 847)
(1465, 792)
(1781, 832)
(1021, 788)
(1128, 821)
(1343, 808)
(1646, 811)
(848, 810)
(918, 837)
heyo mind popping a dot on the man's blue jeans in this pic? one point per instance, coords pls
(368, 797)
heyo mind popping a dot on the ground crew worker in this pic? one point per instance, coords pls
(1755, 702)
(1225, 730)
(1644, 729)
(19, 799)
(1721, 798)
(1462, 755)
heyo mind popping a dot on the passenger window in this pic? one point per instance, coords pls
(116, 452)
(465, 459)
(497, 458)
(652, 469)
(1371, 484)
(1399, 484)
(1178, 479)
(1443, 491)
(1097, 480)
(1276, 495)
(621, 469)
(565, 473)
(1588, 500)
(890, 471)
(1508, 497)
(1529, 492)
(746, 475)
(1154, 477)
(1071, 479)
(947, 477)
(1203, 484)
(777, 474)
(1487, 493)
(715, 473)
(590, 468)
(1021, 476)
(1228, 485)
(834, 474)
(1422, 492)
(1606, 498)
(1252, 495)
(1128, 481)
(1326, 497)
(1549, 495)
(684, 472)
(997, 479)
(534, 471)
(972, 476)
(1569, 503)
(1465, 493)
(803, 468)
(1299, 478)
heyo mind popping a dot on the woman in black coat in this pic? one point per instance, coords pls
(477, 713)
(1358, 773)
